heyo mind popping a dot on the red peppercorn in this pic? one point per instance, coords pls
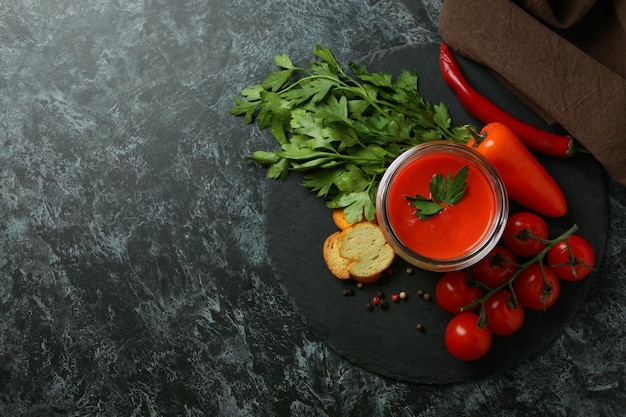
(395, 297)
(375, 300)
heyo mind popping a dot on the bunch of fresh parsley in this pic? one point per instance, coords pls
(342, 130)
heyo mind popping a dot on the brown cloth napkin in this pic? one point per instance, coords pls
(565, 59)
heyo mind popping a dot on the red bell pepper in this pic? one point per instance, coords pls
(527, 182)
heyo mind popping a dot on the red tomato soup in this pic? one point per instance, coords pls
(455, 231)
(460, 231)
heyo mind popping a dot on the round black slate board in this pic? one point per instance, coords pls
(387, 341)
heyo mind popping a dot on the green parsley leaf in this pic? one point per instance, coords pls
(244, 108)
(455, 186)
(327, 56)
(254, 93)
(279, 170)
(425, 208)
(438, 186)
(356, 204)
(442, 116)
(276, 80)
(283, 61)
(445, 191)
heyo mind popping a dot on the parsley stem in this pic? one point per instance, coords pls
(312, 76)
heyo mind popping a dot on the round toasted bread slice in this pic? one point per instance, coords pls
(337, 264)
(365, 246)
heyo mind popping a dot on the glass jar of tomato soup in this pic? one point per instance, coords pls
(460, 234)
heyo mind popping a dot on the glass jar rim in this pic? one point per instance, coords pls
(484, 246)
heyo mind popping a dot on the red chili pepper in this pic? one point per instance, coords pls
(527, 182)
(486, 111)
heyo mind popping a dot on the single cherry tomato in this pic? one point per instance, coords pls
(504, 316)
(495, 268)
(453, 292)
(532, 291)
(464, 339)
(575, 266)
(520, 230)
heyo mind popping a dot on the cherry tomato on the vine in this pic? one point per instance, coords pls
(453, 292)
(502, 319)
(495, 268)
(531, 290)
(576, 267)
(464, 339)
(519, 233)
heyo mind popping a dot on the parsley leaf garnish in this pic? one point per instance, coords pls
(341, 127)
(444, 191)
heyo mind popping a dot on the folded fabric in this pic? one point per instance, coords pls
(565, 59)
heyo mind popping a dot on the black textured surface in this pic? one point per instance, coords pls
(135, 276)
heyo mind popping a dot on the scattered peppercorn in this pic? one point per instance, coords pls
(348, 292)
(427, 296)
(420, 293)
(359, 285)
(375, 300)
(395, 297)
(369, 307)
(383, 304)
(420, 327)
(403, 295)
(380, 294)
(409, 270)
